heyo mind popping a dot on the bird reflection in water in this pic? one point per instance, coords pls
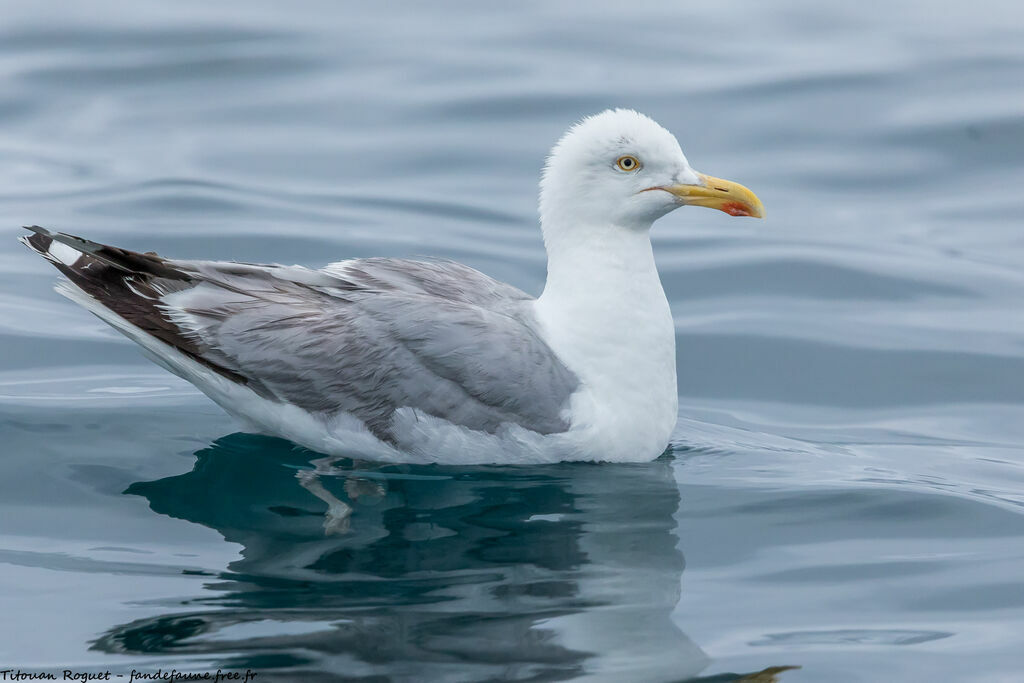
(553, 572)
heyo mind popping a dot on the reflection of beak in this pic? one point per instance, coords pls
(716, 193)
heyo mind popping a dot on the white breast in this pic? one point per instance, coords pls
(609, 321)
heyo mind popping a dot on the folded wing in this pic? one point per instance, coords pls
(366, 337)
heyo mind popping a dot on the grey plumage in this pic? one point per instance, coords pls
(365, 337)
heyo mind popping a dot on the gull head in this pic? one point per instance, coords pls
(621, 169)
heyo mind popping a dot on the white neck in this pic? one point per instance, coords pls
(604, 312)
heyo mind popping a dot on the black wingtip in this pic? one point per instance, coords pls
(38, 242)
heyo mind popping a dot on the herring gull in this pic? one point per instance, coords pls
(401, 360)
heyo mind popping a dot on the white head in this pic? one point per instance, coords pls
(621, 170)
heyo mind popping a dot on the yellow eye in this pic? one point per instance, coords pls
(627, 163)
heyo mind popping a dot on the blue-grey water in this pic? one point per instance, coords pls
(846, 488)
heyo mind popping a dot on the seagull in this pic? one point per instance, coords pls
(431, 361)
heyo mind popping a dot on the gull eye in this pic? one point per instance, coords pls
(628, 163)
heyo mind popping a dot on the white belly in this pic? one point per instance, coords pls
(626, 408)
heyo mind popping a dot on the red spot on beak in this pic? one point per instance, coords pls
(735, 209)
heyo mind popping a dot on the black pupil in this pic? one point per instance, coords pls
(627, 163)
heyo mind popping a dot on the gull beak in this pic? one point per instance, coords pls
(716, 193)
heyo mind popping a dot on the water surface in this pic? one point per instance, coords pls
(845, 488)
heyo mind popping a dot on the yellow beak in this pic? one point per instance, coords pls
(716, 193)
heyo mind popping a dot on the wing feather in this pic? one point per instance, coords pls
(367, 336)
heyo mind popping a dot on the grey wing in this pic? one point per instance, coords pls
(366, 337)
(440, 278)
(371, 354)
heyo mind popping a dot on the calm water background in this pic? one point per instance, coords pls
(846, 489)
